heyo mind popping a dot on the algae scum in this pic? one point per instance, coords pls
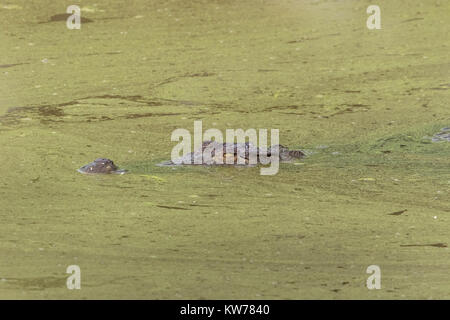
(369, 107)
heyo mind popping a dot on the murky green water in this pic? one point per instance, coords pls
(363, 102)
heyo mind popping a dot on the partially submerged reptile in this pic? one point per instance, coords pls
(216, 153)
(443, 135)
(101, 166)
(211, 153)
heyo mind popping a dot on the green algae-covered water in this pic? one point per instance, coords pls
(363, 103)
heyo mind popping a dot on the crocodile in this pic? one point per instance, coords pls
(216, 153)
